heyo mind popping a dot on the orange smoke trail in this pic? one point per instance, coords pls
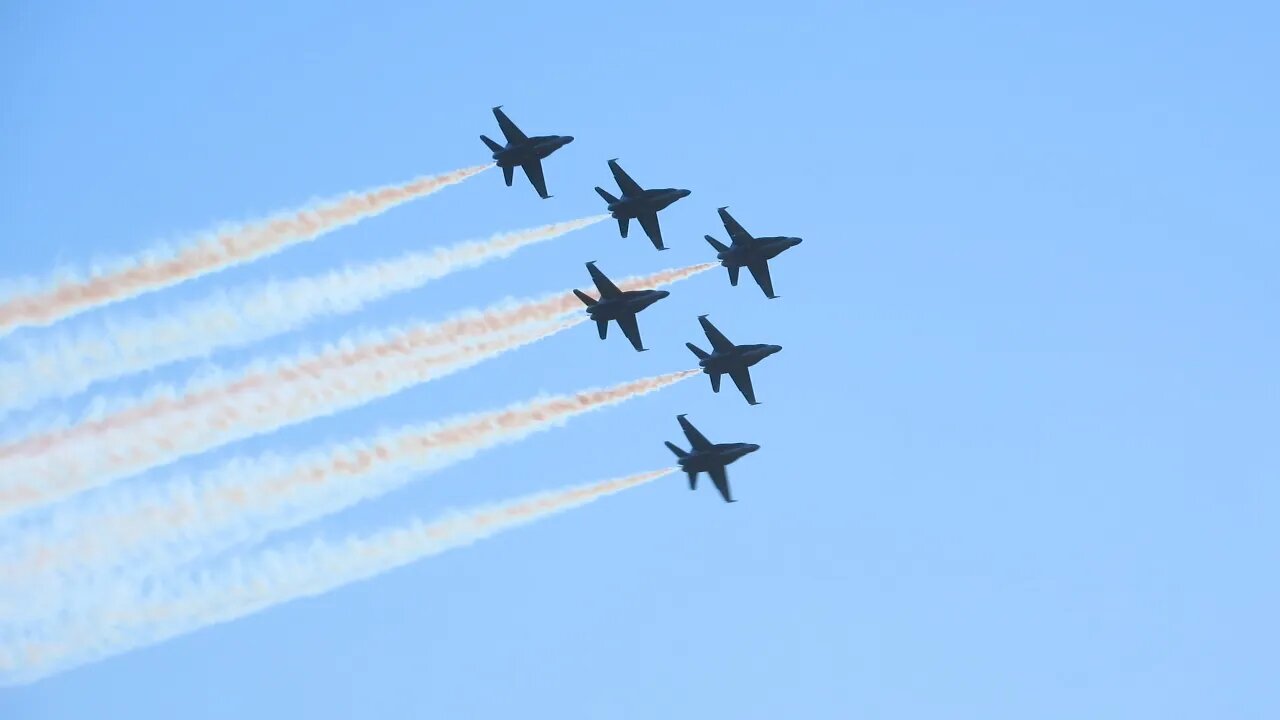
(61, 299)
(75, 469)
(319, 367)
(130, 618)
(163, 528)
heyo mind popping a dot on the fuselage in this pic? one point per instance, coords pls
(628, 303)
(716, 456)
(741, 356)
(764, 248)
(649, 201)
(535, 148)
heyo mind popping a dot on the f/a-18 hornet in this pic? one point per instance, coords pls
(524, 152)
(703, 456)
(725, 357)
(753, 253)
(638, 203)
(617, 305)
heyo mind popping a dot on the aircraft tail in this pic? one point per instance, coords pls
(678, 452)
(607, 197)
(719, 246)
(733, 275)
(495, 147)
(585, 298)
(702, 354)
(715, 383)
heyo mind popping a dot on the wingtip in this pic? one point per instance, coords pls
(497, 107)
(725, 207)
(681, 415)
(613, 160)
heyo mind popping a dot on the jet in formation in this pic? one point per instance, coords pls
(725, 357)
(638, 203)
(753, 253)
(703, 456)
(617, 305)
(523, 151)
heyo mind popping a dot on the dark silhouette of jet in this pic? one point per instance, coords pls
(638, 203)
(753, 253)
(614, 304)
(725, 357)
(706, 457)
(524, 152)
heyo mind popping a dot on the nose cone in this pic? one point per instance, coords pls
(566, 139)
(794, 241)
(751, 447)
(774, 349)
(683, 193)
(660, 294)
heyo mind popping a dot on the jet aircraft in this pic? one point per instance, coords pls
(753, 253)
(617, 305)
(638, 203)
(725, 357)
(703, 456)
(523, 151)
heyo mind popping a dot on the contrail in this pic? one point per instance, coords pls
(52, 465)
(130, 618)
(141, 532)
(62, 366)
(43, 303)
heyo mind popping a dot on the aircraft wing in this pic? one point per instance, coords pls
(736, 233)
(760, 271)
(603, 284)
(625, 183)
(719, 342)
(696, 439)
(509, 129)
(649, 221)
(631, 329)
(721, 480)
(742, 378)
(533, 171)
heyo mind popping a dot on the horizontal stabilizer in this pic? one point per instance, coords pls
(702, 354)
(719, 246)
(585, 298)
(603, 327)
(495, 147)
(672, 447)
(733, 274)
(607, 197)
(715, 383)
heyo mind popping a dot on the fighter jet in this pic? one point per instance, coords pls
(614, 304)
(524, 152)
(752, 253)
(705, 457)
(725, 357)
(638, 203)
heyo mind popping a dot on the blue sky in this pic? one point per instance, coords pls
(1019, 452)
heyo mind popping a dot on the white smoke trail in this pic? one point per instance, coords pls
(132, 617)
(143, 531)
(44, 303)
(66, 364)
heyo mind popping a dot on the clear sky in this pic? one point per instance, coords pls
(1020, 451)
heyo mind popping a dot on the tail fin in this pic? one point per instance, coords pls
(679, 453)
(607, 197)
(733, 275)
(585, 298)
(715, 383)
(702, 354)
(495, 147)
(719, 246)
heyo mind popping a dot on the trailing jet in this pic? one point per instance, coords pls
(615, 304)
(524, 152)
(753, 253)
(706, 457)
(725, 357)
(638, 203)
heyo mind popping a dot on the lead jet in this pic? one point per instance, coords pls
(523, 151)
(753, 253)
(703, 456)
(620, 306)
(725, 357)
(638, 203)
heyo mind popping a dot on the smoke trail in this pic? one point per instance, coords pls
(45, 303)
(56, 464)
(157, 441)
(142, 531)
(130, 618)
(66, 365)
